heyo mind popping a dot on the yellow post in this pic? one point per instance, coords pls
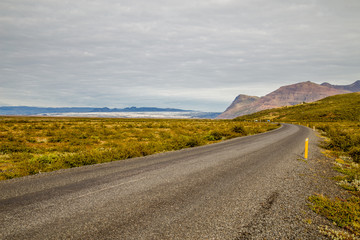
(306, 148)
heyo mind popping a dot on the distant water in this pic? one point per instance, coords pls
(179, 115)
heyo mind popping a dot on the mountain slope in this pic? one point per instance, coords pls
(240, 104)
(334, 108)
(284, 96)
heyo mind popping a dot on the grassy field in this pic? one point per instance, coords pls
(29, 145)
(338, 120)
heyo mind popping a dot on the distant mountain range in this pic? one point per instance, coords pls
(354, 87)
(104, 112)
(286, 96)
(23, 110)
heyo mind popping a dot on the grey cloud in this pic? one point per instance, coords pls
(191, 54)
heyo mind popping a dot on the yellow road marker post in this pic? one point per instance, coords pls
(306, 148)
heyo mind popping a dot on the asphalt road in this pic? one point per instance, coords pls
(235, 189)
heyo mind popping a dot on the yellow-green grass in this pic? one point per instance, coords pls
(342, 142)
(29, 145)
(342, 138)
(344, 213)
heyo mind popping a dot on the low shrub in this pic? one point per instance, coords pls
(214, 136)
(355, 154)
(239, 129)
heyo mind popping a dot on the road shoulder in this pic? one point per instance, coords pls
(286, 214)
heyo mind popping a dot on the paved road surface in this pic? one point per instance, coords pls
(221, 191)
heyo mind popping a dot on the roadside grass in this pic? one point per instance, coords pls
(30, 145)
(345, 213)
(342, 142)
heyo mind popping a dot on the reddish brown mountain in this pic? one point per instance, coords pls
(284, 96)
(241, 103)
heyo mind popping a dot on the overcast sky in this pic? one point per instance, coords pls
(190, 54)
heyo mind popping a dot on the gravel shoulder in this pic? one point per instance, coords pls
(285, 214)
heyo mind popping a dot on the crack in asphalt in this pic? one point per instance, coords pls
(260, 214)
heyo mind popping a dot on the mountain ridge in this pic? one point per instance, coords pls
(26, 110)
(288, 95)
(341, 107)
(354, 87)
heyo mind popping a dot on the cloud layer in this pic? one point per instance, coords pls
(185, 54)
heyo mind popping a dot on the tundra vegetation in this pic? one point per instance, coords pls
(31, 145)
(342, 141)
(338, 120)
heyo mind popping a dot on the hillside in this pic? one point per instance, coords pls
(334, 108)
(284, 96)
(242, 103)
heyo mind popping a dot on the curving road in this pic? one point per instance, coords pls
(220, 191)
